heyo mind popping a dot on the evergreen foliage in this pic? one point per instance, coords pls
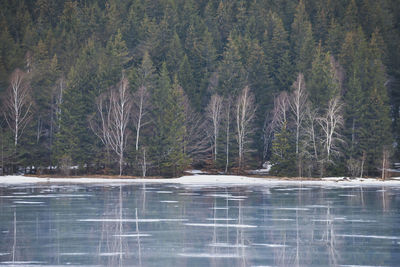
(184, 52)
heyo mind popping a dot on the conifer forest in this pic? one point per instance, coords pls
(155, 87)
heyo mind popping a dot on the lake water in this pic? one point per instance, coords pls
(178, 225)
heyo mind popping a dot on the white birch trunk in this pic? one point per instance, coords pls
(245, 111)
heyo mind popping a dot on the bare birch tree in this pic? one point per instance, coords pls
(145, 76)
(18, 104)
(59, 94)
(120, 111)
(245, 112)
(56, 102)
(114, 111)
(385, 163)
(276, 119)
(330, 124)
(141, 105)
(196, 138)
(298, 101)
(227, 118)
(310, 131)
(213, 112)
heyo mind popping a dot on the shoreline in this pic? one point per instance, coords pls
(202, 180)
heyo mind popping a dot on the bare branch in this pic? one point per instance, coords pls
(330, 124)
(141, 105)
(196, 138)
(213, 113)
(276, 119)
(113, 115)
(245, 112)
(297, 102)
(18, 104)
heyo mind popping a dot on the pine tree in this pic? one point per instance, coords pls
(232, 75)
(74, 139)
(283, 155)
(322, 84)
(176, 160)
(276, 47)
(302, 40)
(185, 77)
(335, 37)
(354, 58)
(174, 55)
(168, 116)
(350, 20)
(376, 131)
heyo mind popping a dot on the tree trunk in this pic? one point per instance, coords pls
(227, 136)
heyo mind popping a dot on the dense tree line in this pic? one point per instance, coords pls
(151, 87)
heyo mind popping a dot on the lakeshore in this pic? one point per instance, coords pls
(203, 180)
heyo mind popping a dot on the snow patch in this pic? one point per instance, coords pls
(195, 172)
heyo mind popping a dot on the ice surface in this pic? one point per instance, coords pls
(208, 255)
(221, 219)
(133, 235)
(227, 245)
(221, 225)
(108, 254)
(291, 209)
(271, 245)
(121, 225)
(189, 194)
(372, 236)
(132, 220)
(73, 254)
(28, 202)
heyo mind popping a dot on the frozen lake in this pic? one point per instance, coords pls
(182, 225)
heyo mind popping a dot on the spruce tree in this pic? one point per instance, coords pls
(185, 77)
(302, 40)
(283, 157)
(322, 85)
(169, 127)
(354, 58)
(74, 139)
(376, 131)
(276, 48)
(232, 75)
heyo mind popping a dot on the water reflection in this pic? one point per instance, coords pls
(164, 225)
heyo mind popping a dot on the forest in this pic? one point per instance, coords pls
(154, 87)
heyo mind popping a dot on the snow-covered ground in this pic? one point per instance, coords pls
(205, 180)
